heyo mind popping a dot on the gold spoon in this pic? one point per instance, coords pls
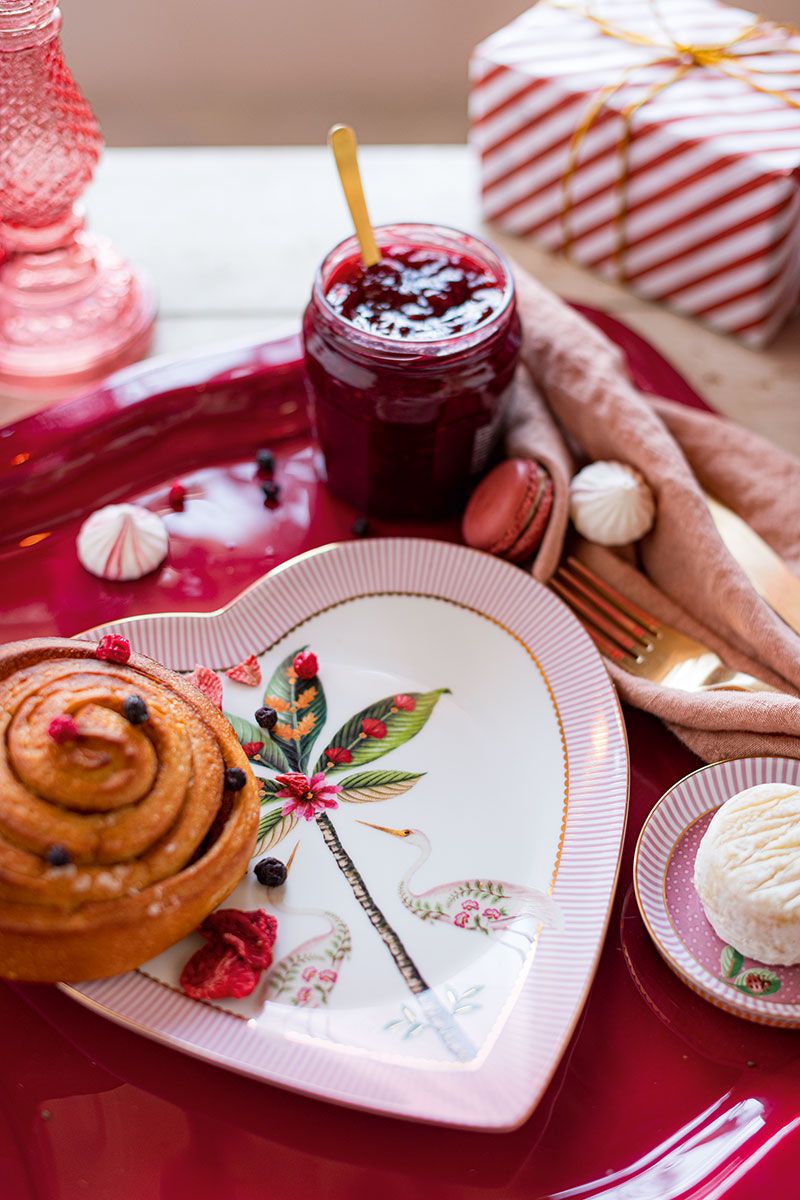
(342, 141)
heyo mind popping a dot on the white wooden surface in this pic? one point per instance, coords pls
(232, 238)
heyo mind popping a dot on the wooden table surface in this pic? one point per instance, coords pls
(232, 238)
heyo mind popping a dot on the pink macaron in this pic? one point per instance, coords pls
(508, 512)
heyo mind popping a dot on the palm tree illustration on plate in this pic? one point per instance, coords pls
(487, 906)
(297, 794)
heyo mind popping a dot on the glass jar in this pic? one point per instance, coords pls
(406, 422)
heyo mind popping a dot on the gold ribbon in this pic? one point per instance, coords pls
(683, 57)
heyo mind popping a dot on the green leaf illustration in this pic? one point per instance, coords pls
(400, 726)
(273, 828)
(368, 786)
(270, 755)
(757, 981)
(730, 962)
(268, 788)
(301, 710)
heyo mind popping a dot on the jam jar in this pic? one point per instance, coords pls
(408, 364)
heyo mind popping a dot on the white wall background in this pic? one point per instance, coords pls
(200, 72)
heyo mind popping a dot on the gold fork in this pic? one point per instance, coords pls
(639, 643)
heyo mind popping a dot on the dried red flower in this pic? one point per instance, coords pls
(208, 682)
(247, 672)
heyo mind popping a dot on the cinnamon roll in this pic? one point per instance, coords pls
(128, 809)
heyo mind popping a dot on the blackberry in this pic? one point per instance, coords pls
(266, 718)
(271, 872)
(135, 710)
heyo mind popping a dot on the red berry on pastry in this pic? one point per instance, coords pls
(305, 665)
(113, 648)
(63, 729)
(508, 512)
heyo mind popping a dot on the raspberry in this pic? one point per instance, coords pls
(134, 710)
(305, 665)
(235, 779)
(216, 971)
(250, 934)
(63, 729)
(176, 496)
(113, 648)
(266, 718)
(271, 872)
(208, 682)
(247, 672)
(251, 749)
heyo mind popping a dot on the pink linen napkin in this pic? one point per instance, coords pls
(574, 402)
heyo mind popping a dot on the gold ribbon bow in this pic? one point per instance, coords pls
(683, 57)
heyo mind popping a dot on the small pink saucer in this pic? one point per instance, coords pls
(663, 870)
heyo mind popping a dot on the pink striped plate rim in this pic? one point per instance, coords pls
(671, 909)
(482, 1076)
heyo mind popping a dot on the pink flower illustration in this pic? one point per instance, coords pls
(373, 728)
(470, 905)
(492, 914)
(338, 754)
(305, 796)
(303, 996)
(309, 974)
(461, 920)
(328, 976)
(404, 703)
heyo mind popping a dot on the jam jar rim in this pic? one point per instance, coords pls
(411, 348)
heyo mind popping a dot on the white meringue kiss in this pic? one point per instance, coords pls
(122, 542)
(611, 504)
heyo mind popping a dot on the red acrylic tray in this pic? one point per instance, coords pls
(658, 1095)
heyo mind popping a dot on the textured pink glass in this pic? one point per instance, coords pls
(71, 309)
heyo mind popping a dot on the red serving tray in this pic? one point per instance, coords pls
(659, 1096)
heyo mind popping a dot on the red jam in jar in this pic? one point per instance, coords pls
(409, 363)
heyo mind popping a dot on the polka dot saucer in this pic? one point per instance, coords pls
(663, 871)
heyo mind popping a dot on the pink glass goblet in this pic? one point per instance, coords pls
(71, 308)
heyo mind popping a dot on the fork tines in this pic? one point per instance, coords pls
(620, 629)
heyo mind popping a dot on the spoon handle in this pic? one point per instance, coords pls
(342, 140)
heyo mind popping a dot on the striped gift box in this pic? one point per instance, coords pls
(657, 143)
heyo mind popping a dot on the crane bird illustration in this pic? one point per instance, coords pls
(307, 975)
(488, 906)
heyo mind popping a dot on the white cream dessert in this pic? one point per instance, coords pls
(747, 873)
(611, 504)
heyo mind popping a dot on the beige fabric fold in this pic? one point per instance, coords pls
(574, 401)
